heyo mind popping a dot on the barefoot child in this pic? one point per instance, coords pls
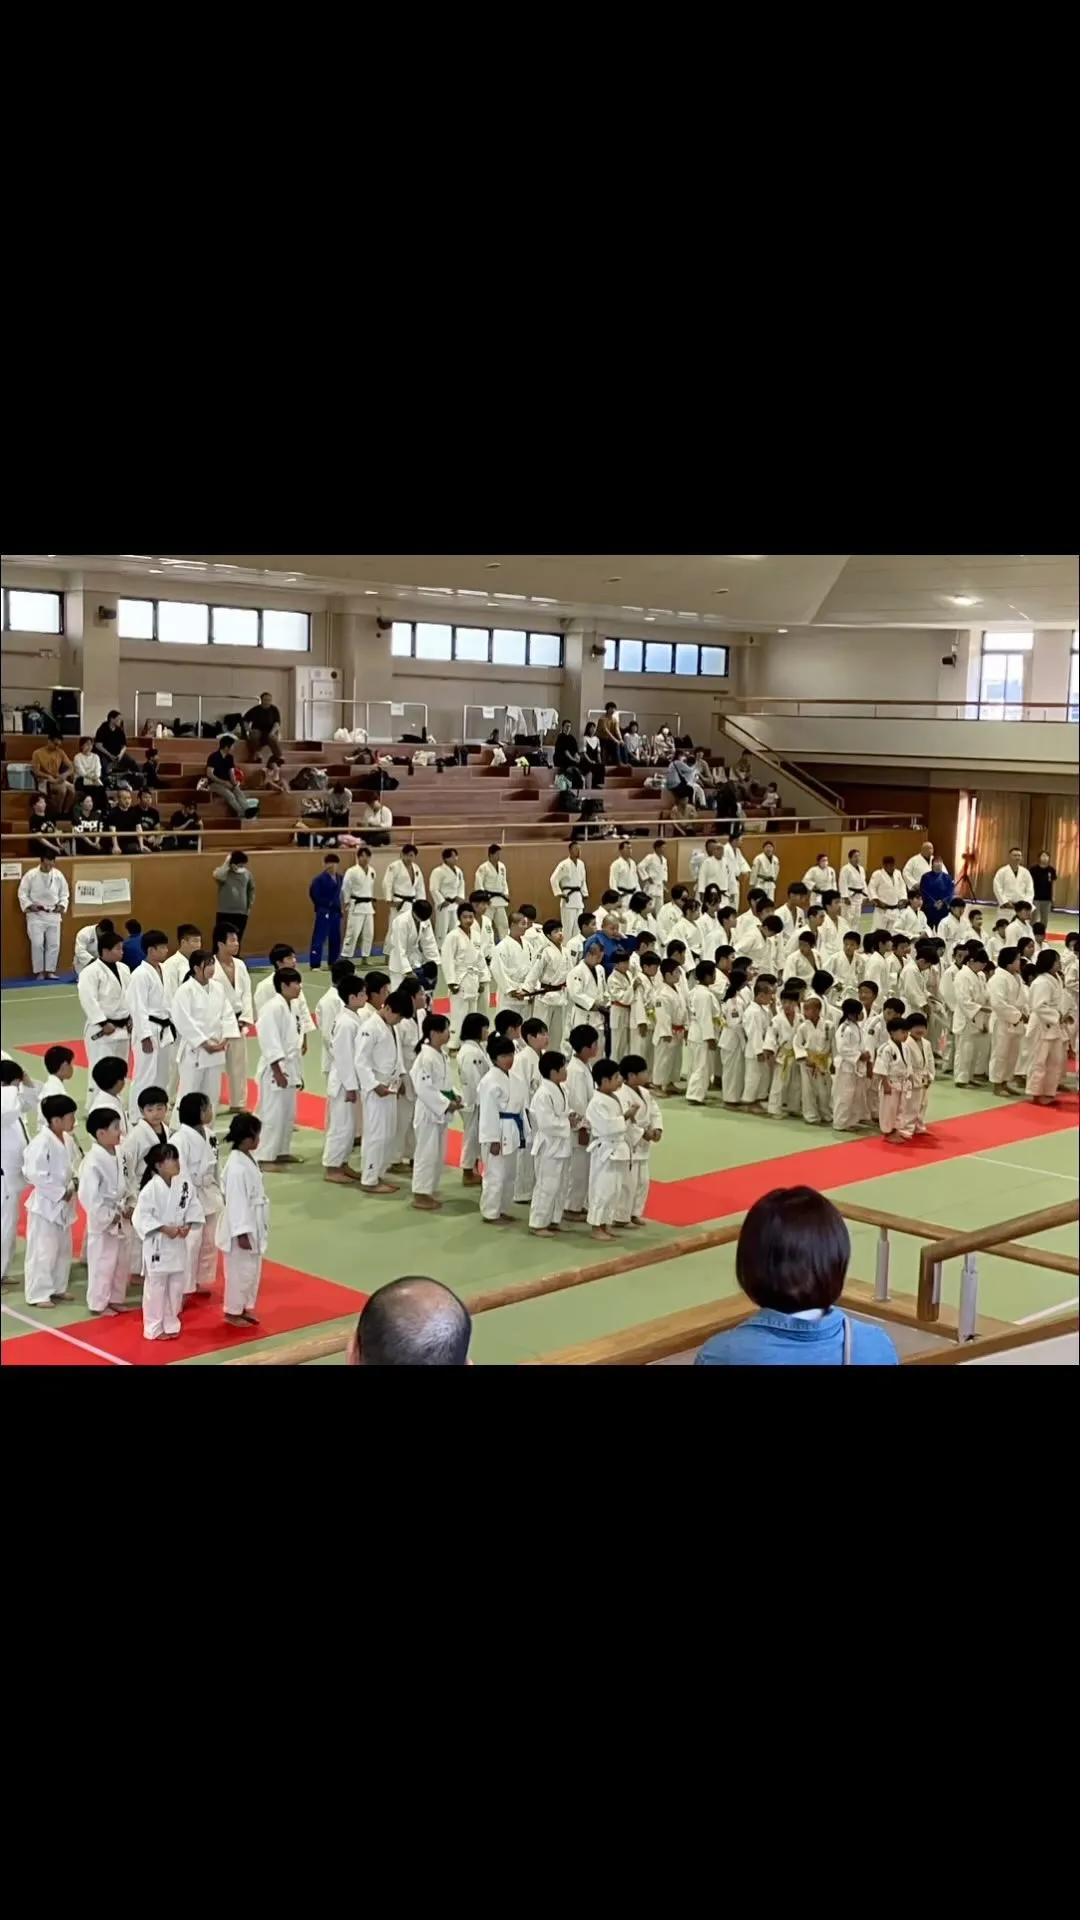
(853, 1061)
(473, 1063)
(701, 1035)
(342, 1084)
(377, 1067)
(758, 1049)
(502, 1131)
(243, 1226)
(892, 1073)
(280, 1046)
(196, 1144)
(732, 1039)
(102, 1194)
(49, 1165)
(166, 1213)
(646, 1130)
(919, 1055)
(672, 1015)
(526, 1072)
(621, 989)
(813, 1051)
(436, 1102)
(584, 1047)
(18, 1096)
(785, 1093)
(551, 1146)
(609, 1150)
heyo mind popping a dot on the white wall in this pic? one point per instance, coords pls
(1018, 745)
(864, 664)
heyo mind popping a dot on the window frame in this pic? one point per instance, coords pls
(1073, 712)
(613, 663)
(47, 593)
(1010, 710)
(149, 600)
(487, 659)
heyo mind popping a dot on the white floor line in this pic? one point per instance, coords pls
(1045, 1313)
(15, 996)
(1037, 1173)
(58, 1333)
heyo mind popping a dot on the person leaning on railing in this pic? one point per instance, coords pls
(792, 1261)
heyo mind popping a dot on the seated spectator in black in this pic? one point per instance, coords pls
(413, 1322)
(792, 1261)
(151, 770)
(88, 821)
(110, 739)
(149, 817)
(42, 826)
(221, 776)
(727, 802)
(184, 826)
(123, 824)
(124, 771)
(338, 802)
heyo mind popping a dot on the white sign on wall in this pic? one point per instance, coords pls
(89, 893)
(163, 699)
(10, 869)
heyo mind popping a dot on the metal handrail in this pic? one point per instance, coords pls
(795, 706)
(733, 731)
(984, 1240)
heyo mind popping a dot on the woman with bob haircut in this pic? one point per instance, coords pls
(791, 1261)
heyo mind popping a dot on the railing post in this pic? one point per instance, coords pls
(967, 1318)
(881, 1276)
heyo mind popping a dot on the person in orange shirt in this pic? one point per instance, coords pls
(53, 772)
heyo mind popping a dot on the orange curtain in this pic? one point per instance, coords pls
(1001, 823)
(1063, 841)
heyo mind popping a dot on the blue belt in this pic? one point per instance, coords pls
(519, 1124)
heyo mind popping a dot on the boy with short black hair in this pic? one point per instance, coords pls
(49, 1168)
(551, 1146)
(644, 1131)
(893, 1076)
(584, 1047)
(102, 1196)
(609, 1150)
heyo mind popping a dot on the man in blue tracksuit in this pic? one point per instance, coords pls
(325, 895)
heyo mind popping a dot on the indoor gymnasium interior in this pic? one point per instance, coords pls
(906, 709)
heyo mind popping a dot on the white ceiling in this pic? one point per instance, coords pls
(761, 592)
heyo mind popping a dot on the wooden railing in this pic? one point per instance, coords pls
(955, 1246)
(997, 1343)
(678, 1332)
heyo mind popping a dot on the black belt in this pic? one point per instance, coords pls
(156, 1020)
(405, 899)
(102, 1035)
(629, 891)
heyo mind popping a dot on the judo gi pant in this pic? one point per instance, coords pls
(733, 1073)
(470, 1151)
(277, 1111)
(359, 932)
(235, 1058)
(816, 1091)
(500, 1171)
(639, 1188)
(148, 1070)
(204, 1080)
(380, 1131)
(107, 1266)
(243, 1271)
(971, 1057)
(326, 933)
(667, 1061)
(699, 1063)
(163, 1296)
(111, 1046)
(9, 1219)
(551, 1178)
(460, 1005)
(1047, 1064)
(850, 1107)
(48, 1260)
(429, 1157)
(44, 931)
(577, 1198)
(1004, 1053)
(757, 1080)
(609, 1198)
(340, 1129)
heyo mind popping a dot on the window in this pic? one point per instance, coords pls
(1001, 675)
(507, 648)
(1074, 682)
(488, 646)
(27, 612)
(185, 623)
(234, 626)
(135, 619)
(286, 632)
(661, 656)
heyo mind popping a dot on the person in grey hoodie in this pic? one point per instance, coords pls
(236, 892)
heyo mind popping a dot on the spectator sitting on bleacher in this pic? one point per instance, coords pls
(792, 1261)
(262, 726)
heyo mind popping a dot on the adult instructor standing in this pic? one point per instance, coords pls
(1013, 881)
(44, 897)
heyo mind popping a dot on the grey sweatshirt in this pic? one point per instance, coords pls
(236, 888)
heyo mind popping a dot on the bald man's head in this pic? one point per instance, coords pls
(413, 1322)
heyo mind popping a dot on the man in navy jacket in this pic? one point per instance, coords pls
(325, 895)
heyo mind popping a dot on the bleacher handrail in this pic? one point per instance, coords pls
(965, 1246)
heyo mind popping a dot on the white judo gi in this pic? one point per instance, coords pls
(551, 1150)
(50, 1169)
(161, 1204)
(199, 1163)
(1007, 997)
(150, 1021)
(200, 1014)
(813, 1051)
(648, 1121)
(237, 992)
(764, 873)
(410, 946)
(378, 1065)
(342, 1079)
(15, 1102)
(245, 1212)
(892, 1076)
(609, 1161)
(700, 1044)
(491, 877)
(103, 1195)
(579, 1091)
(105, 998)
(44, 899)
(853, 890)
(432, 1084)
(1049, 1035)
(621, 992)
(570, 885)
(546, 983)
(502, 1126)
(756, 1023)
(278, 1029)
(402, 884)
(785, 1091)
(888, 893)
(473, 1064)
(448, 893)
(358, 903)
(851, 1088)
(511, 966)
(970, 1025)
(465, 971)
(586, 997)
(669, 1033)
(653, 875)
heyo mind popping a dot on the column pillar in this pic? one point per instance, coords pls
(583, 674)
(92, 648)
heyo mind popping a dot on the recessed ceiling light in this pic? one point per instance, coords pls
(964, 600)
(539, 600)
(472, 593)
(720, 590)
(781, 629)
(612, 579)
(372, 591)
(651, 617)
(155, 569)
(511, 596)
(664, 610)
(631, 609)
(494, 566)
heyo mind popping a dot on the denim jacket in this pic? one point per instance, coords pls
(770, 1339)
